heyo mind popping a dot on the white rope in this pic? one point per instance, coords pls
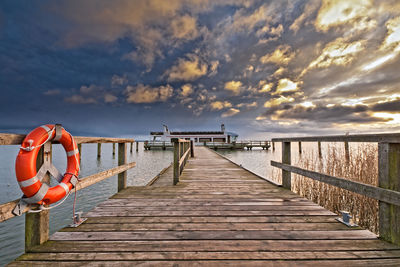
(30, 148)
(42, 207)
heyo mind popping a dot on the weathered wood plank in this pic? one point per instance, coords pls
(286, 158)
(384, 138)
(11, 139)
(248, 255)
(203, 197)
(122, 212)
(218, 263)
(208, 196)
(207, 227)
(122, 176)
(160, 190)
(209, 208)
(92, 140)
(215, 219)
(99, 150)
(214, 235)
(184, 157)
(16, 139)
(176, 164)
(163, 179)
(217, 245)
(270, 182)
(95, 178)
(190, 202)
(389, 178)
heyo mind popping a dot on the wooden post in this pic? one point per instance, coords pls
(122, 177)
(300, 148)
(286, 158)
(389, 178)
(137, 146)
(191, 149)
(176, 160)
(80, 151)
(131, 147)
(319, 149)
(98, 150)
(346, 150)
(37, 224)
(113, 152)
(273, 146)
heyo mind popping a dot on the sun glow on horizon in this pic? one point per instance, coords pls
(393, 118)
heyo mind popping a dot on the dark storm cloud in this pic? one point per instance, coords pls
(74, 62)
(390, 106)
(334, 114)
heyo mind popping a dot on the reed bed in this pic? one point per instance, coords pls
(362, 167)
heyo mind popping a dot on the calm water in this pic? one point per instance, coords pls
(149, 164)
(258, 160)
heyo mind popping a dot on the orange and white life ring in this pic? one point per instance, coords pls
(25, 165)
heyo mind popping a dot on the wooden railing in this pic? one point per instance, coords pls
(37, 224)
(387, 192)
(182, 149)
(238, 144)
(254, 142)
(157, 144)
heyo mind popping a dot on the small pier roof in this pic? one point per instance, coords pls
(191, 133)
(232, 134)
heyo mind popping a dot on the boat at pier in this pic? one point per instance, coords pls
(221, 139)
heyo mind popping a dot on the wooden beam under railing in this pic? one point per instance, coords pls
(37, 224)
(6, 208)
(16, 139)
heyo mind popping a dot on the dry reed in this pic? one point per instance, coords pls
(362, 167)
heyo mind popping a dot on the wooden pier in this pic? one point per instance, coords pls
(218, 214)
(239, 145)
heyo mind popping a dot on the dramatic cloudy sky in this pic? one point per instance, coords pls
(264, 68)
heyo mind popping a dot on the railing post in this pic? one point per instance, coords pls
(319, 149)
(389, 178)
(131, 147)
(176, 160)
(37, 224)
(273, 146)
(122, 177)
(347, 152)
(286, 158)
(300, 151)
(98, 150)
(137, 146)
(191, 149)
(113, 151)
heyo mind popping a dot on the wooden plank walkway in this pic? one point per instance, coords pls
(218, 215)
